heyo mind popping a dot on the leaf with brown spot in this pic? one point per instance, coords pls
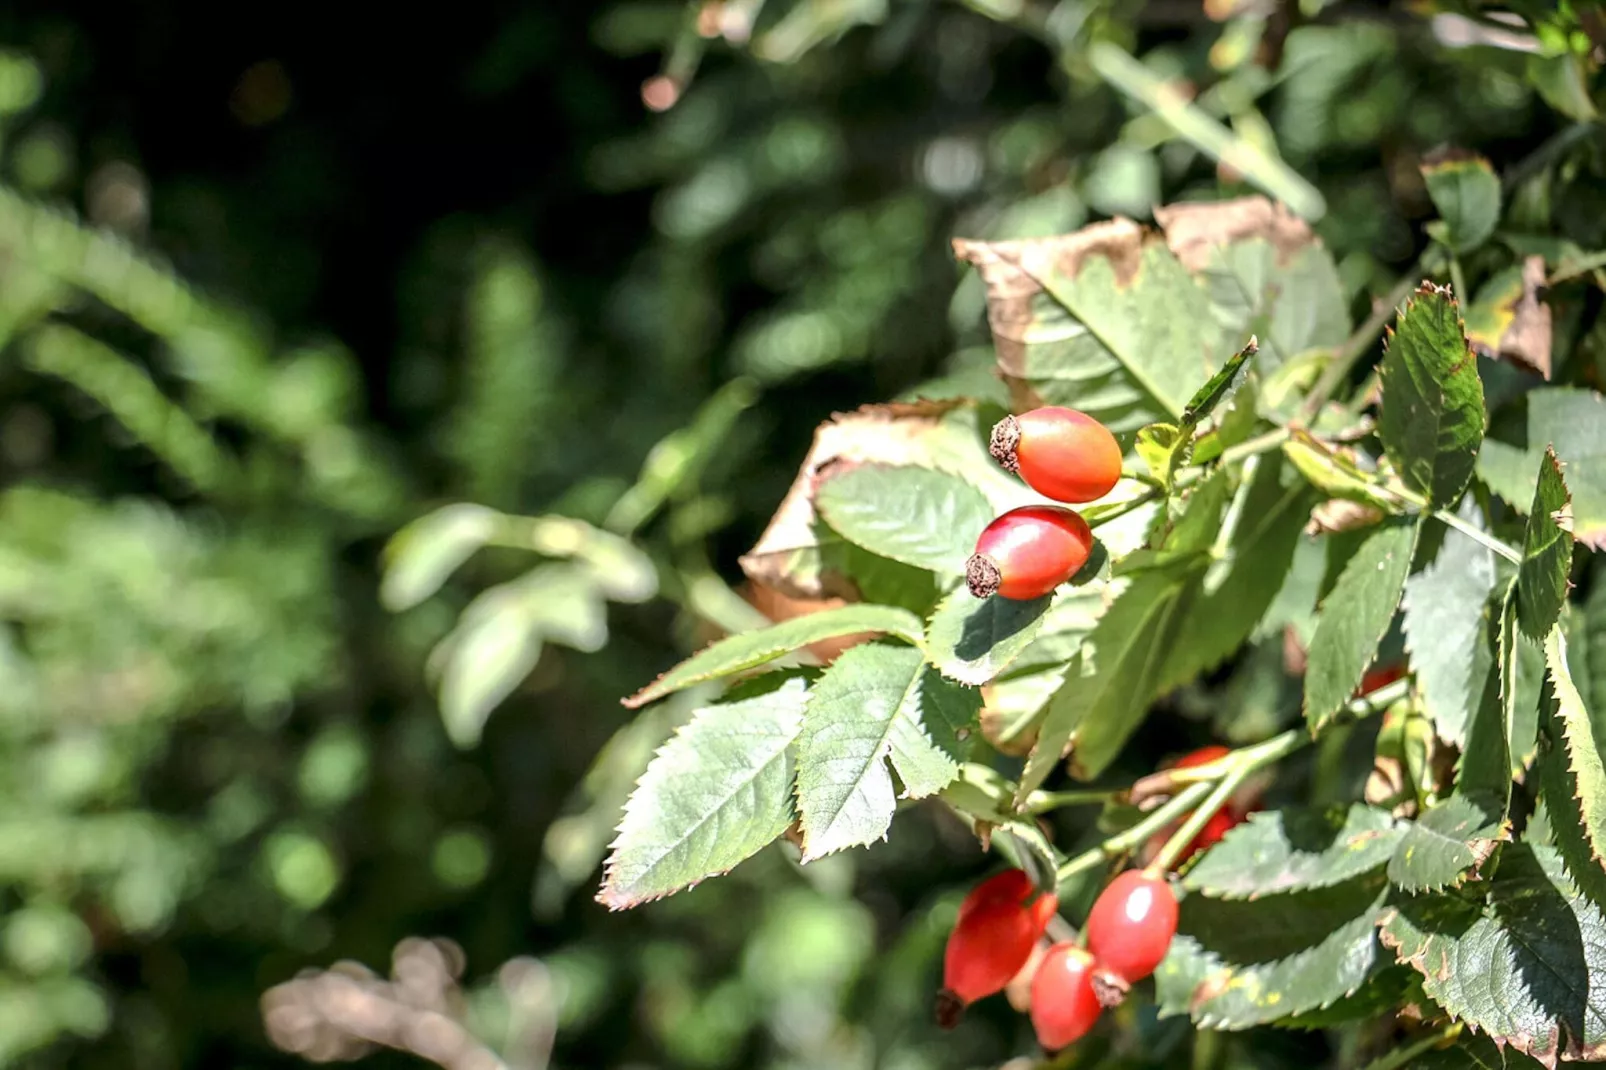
(1106, 320)
(1509, 321)
(800, 557)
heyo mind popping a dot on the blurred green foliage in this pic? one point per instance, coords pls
(270, 294)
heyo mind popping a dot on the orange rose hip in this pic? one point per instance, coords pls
(1060, 453)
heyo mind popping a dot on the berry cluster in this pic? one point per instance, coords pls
(1064, 455)
(1001, 922)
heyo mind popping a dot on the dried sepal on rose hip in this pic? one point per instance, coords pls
(1028, 552)
(999, 924)
(1060, 453)
(1064, 1006)
(1129, 931)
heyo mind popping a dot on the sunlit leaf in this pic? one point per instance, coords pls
(748, 650)
(1512, 956)
(1432, 416)
(1573, 421)
(1355, 615)
(1446, 621)
(918, 516)
(1296, 850)
(717, 792)
(874, 704)
(1547, 553)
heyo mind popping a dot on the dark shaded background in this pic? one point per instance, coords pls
(451, 257)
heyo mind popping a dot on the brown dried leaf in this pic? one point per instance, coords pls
(1194, 230)
(786, 557)
(1509, 321)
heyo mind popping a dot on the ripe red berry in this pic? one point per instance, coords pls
(1203, 756)
(1064, 1005)
(1061, 453)
(1129, 931)
(1379, 676)
(1028, 552)
(992, 940)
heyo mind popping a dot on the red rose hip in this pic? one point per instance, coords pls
(1064, 1005)
(992, 940)
(1028, 552)
(1129, 931)
(1060, 453)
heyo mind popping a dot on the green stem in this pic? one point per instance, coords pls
(1195, 126)
(1402, 1056)
(1358, 343)
(1196, 821)
(1263, 443)
(1146, 478)
(1125, 841)
(1449, 519)
(1120, 509)
(1041, 802)
(1483, 538)
(1458, 282)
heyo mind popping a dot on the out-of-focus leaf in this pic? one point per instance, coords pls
(1432, 417)
(717, 792)
(1103, 319)
(1573, 421)
(1355, 616)
(874, 704)
(747, 650)
(919, 516)
(1513, 956)
(421, 556)
(1472, 1051)
(1547, 553)
(1296, 850)
(1466, 192)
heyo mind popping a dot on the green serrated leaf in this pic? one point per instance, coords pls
(1484, 772)
(1558, 792)
(1235, 964)
(1444, 846)
(1573, 421)
(1219, 385)
(1547, 552)
(918, 516)
(715, 794)
(1515, 960)
(971, 640)
(1432, 417)
(1381, 994)
(1466, 192)
(1107, 690)
(1446, 618)
(1522, 679)
(748, 650)
(1355, 616)
(1583, 750)
(1100, 319)
(1238, 589)
(1296, 850)
(876, 702)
